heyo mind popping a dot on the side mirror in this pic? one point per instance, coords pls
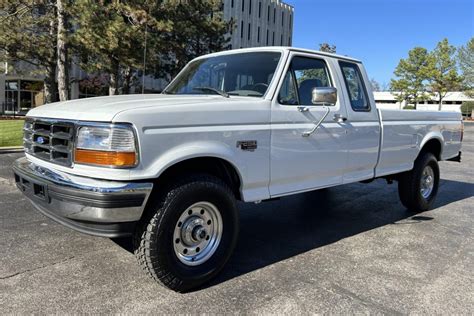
(324, 96)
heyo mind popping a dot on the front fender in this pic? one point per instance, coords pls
(253, 178)
(194, 150)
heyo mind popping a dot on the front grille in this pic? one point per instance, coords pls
(49, 140)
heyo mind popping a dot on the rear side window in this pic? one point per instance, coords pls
(355, 86)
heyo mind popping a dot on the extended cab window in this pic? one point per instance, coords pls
(302, 77)
(355, 86)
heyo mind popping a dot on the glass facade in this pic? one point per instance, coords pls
(22, 95)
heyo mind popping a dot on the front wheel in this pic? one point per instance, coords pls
(190, 235)
(418, 188)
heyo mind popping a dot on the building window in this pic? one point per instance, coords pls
(267, 37)
(259, 9)
(274, 15)
(291, 20)
(258, 35)
(289, 41)
(232, 4)
(273, 39)
(250, 6)
(243, 5)
(281, 40)
(282, 18)
(248, 32)
(242, 29)
(268, 14)
(21, 96)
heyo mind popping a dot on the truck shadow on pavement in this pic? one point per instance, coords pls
(277, 230)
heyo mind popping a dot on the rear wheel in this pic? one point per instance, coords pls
(418, 188)
(189, 234)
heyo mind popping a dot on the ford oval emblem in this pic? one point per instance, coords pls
(40, 140)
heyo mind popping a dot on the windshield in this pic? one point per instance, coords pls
(244, 74)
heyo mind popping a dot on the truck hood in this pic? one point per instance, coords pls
(104, 109)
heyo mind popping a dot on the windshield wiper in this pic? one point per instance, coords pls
(216, 91)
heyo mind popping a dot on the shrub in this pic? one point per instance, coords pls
(467, 107)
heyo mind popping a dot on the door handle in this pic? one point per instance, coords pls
(303, 108)
(339, 118)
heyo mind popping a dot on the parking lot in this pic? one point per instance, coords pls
(352, 248)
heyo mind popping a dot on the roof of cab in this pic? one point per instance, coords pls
(280, 49)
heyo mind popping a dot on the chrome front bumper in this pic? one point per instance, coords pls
(96, 207)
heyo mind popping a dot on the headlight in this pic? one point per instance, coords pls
(110, 145)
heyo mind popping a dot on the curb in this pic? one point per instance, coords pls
(9, 150)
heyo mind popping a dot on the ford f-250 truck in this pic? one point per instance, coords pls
(248, 125)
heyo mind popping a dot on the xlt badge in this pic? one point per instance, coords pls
(248, 145)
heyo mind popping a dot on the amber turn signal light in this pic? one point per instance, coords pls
(105, 158)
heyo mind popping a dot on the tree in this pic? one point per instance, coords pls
(375, 85)
(413, 74)
(466, 64)
(467, 108)
(62, 46)
(28, 34)
(385, 86)
(443, 74)
(198, 28)
(328, 48)
(109, 36)
(112, 38)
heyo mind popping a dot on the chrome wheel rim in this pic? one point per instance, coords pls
(427, 182)
(198, 233)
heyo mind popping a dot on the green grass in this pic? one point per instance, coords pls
(11, 133)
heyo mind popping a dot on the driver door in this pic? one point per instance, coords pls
(300, 163)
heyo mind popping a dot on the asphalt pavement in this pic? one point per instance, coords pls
(349, 249)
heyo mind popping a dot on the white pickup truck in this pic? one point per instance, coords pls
(248, 125)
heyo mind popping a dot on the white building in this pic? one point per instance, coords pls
(259, 23)
(451, 102)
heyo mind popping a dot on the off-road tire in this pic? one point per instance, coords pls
(153, 239)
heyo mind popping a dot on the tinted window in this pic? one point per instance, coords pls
(355, 86)
(302, 77)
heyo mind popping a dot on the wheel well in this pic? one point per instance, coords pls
(433, 146)
(217, 167)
